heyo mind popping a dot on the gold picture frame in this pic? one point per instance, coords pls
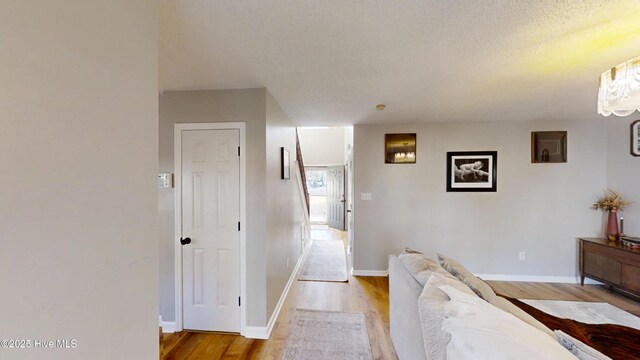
(400, 148)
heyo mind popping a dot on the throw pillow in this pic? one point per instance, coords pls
(410, 251)
(581, 350)
(476, 284)
(420, 266)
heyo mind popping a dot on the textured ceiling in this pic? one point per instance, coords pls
(330, 62)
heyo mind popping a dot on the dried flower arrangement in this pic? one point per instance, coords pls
(611, 201)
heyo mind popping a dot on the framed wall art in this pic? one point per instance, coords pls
(400, 148)
(472, 171)
(548, 147)
(285, 168)
(635, 138)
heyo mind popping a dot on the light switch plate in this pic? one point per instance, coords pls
(365, 196)
(165, 180)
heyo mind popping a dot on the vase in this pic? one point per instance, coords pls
(612, 226)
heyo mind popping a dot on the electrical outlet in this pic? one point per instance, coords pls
(522, 256)
(287, 262)
(365, 196)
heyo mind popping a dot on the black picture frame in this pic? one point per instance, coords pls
(548, 147)
(472, 171)
(285, 168)
(635, 138)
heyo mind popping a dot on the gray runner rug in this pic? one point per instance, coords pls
(586, 312)
(316, 335)
(326, 261)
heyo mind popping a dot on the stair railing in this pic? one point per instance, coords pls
(302, 173)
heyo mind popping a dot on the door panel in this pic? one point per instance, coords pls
(335, 197)
(210, 214)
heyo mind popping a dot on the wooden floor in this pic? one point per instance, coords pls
(369, 295)
(575, 292)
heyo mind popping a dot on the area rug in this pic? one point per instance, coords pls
(326, 261)
(316, 335)
(586, 312)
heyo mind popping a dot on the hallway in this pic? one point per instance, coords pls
(369, 295)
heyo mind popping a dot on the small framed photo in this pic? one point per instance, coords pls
(548, 147)
(285, 169)
(472, 171)
(400, 148)
(635, 138)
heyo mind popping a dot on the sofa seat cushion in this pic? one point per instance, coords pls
(431, 309)
(420, 266)
(481, 331)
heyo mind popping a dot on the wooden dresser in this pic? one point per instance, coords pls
(610, 263)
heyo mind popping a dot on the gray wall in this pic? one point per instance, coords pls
(539, 208)
(624, 170)
(78, 149)
(284, 209)
(274, 213)
(247, 106)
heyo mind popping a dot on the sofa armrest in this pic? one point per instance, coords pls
(404, 319)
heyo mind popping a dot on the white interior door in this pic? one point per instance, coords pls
(211, 220)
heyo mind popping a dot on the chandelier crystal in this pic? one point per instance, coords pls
(619, 92)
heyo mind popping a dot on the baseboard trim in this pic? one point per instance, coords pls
(537, 278)
(168, 327)
(264, 332)
(256, 332)
(355, 272)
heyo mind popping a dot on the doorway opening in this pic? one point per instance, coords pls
(326, 152)
(317, 185)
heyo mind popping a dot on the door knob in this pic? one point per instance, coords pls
(185, 241)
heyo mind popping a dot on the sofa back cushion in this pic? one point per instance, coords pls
(507, 306)
(481, 331)
(431, 309)
(485, 291)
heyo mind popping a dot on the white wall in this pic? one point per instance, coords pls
(247, 106)
(78, 149)
(284, 210)
(539, 208)
(623, 170)
(322, 147)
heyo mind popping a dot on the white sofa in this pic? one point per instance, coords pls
(404, 319)
(431, 321)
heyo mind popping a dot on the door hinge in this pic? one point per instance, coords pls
(239, 303)
(238, 150)
(238, 225)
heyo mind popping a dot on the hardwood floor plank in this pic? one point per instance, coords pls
(570, 292)
(369, 295)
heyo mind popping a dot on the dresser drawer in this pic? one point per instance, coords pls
(602, 267)
(630, 278)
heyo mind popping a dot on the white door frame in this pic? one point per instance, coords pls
(177, 149)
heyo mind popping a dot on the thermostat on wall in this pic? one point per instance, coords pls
(165, 180)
